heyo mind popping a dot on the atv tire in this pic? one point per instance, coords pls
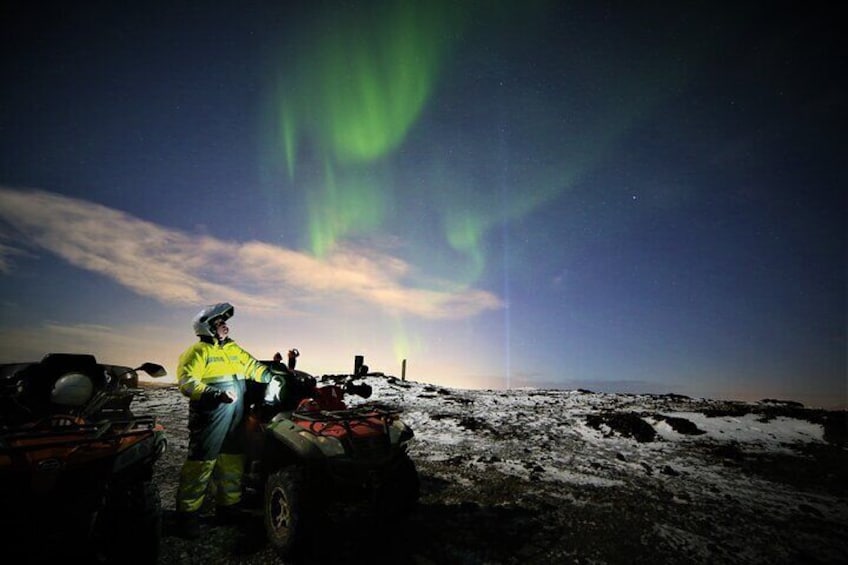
(397, 498)
(129, 530)
(285, 511)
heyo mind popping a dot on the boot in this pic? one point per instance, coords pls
(188, 525)
(226, 515)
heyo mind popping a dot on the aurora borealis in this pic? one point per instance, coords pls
(354, 82)
(506, 194)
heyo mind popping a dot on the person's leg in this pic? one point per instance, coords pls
(229, 470)
(207, 431)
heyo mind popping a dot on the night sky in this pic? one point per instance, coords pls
(619, 196)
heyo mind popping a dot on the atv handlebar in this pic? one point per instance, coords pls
(362, 390)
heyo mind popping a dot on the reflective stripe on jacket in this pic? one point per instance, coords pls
(204, 363)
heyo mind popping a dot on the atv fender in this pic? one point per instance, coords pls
(300, 442)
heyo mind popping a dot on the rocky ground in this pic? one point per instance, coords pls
(575, 477)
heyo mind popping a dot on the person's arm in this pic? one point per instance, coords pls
(190, 371)
(253, 369)
(259, 372)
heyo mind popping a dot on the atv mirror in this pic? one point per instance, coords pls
(153, 369)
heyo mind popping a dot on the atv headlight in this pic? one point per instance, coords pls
(399, 433)
(72, 389)
(330, 446)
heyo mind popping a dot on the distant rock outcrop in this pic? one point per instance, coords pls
(627, 424)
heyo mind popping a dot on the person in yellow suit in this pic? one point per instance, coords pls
(212, 374)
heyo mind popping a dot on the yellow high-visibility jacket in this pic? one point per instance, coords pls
(207, 362)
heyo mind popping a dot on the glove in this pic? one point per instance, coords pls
(274, 388)
(212, 398)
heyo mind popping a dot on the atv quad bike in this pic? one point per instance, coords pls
(76, 464)
(309, 453)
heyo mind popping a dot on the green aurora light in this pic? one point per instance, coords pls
(356, 83)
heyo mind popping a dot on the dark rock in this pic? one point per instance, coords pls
(682, 425)
(730, 451)
(627, 424)
(836, 427)
(788, 403)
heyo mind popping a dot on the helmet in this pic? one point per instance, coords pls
(203, 321)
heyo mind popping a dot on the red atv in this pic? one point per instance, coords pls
(309, 453)
(76, 464)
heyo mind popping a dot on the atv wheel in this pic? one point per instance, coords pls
(398, 497)
(129, 530)
(285, 510)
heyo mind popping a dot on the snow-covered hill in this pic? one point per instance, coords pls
(545, 476)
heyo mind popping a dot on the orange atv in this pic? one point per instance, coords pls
(76, 465)
(310, 453)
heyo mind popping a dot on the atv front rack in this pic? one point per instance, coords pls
(364, 424)
(364, 431)
(361, 412)
(63, 431)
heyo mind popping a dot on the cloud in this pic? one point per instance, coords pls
(126, 344)
(177, 268)
(31, 343)
(6, 253)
